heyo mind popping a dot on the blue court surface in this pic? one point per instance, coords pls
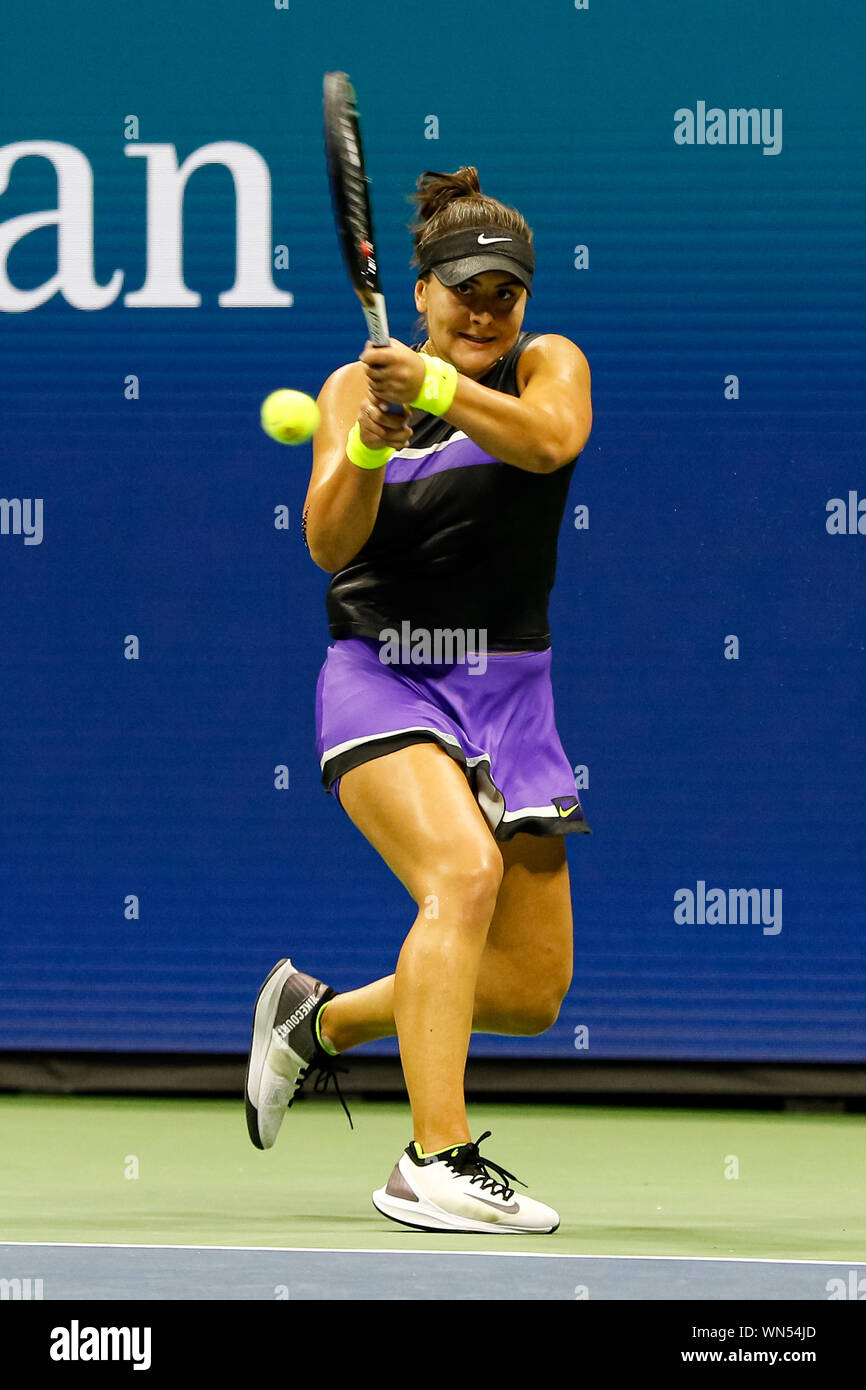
(130, 1272)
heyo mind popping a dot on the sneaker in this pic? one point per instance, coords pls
(456, 1191)
(285, 1050)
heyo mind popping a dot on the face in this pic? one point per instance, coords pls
(474, 323)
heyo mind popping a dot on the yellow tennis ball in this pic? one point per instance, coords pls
(290, 417)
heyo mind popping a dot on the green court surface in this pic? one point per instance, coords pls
(638, 1182)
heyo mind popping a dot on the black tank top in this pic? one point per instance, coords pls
(461, 540)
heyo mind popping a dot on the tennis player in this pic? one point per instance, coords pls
(444, 520)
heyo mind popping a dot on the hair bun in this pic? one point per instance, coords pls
(436, 191)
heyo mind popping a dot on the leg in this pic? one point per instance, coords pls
(526, 966)
(527, 963)
(416, 809)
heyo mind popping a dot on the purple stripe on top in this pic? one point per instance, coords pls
(459, 453)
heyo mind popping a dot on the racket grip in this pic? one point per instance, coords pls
(377, 323)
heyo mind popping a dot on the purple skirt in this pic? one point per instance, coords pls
(495, 719)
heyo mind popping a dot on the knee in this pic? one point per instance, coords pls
(537, 1015)
(466, 885)
(536, 1011)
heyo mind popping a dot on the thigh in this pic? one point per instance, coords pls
(416, 808)
(532, 926)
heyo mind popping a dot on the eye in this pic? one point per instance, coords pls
(505, 293)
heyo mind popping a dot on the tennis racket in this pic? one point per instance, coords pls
(350, 195)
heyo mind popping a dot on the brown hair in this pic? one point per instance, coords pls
(450, 202)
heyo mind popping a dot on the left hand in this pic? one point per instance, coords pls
(395, 373)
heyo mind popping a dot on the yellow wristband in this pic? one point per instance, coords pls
(360, 454)
(439, 389)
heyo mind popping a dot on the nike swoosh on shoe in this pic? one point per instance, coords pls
(498, 1206)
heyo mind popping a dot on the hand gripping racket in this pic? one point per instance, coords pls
(350, 194)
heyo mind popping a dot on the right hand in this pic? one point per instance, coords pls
(381, 428)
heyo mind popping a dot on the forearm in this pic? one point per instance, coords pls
(502, 425)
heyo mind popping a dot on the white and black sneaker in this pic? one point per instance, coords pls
(455, 1190)
(285, 1050)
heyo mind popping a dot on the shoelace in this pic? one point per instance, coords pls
(470, 1158)
(327, 1072)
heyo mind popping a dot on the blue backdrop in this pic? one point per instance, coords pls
(163, 625)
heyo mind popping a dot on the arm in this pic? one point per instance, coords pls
(342, 500)
(544, 427)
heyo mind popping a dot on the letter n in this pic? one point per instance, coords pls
(164, 285)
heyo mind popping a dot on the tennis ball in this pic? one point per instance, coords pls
(290, 417)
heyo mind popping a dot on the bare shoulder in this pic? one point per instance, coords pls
(348, 380)
(554, 355)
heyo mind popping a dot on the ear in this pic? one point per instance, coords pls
(421, 296)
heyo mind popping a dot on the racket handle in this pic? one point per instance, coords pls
(377, 323)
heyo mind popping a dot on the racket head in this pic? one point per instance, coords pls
(349, 183)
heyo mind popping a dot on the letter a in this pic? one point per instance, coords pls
(73, 218)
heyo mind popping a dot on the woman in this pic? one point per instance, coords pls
(439, 524)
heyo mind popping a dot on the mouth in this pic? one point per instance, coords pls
(479, 342)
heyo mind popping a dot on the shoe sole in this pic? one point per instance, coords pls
(264, 1014)
(401, 1211)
